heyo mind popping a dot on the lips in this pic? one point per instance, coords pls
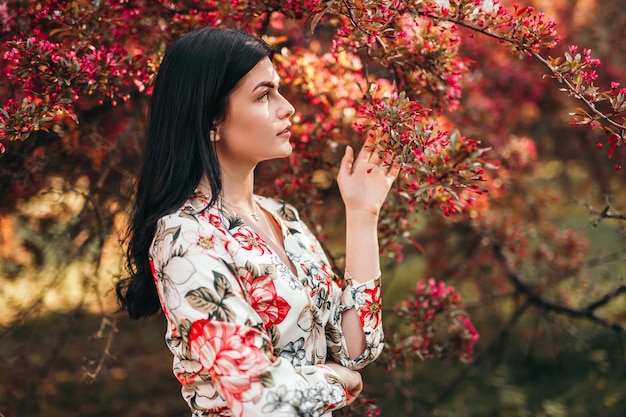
(285, 131)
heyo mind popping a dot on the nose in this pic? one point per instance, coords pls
(286, 109)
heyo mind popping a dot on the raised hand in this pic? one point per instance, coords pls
(364, 181)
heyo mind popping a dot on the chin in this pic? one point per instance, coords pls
(287, 151)
(281, 155)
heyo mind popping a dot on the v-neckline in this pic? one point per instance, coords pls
(279, 228)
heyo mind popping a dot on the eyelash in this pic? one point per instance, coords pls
(267, 94)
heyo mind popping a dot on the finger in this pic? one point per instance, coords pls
(394, 169)
(347, 160)
(370, 141)
(368, 148)
(385, 161)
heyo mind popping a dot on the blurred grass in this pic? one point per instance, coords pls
(45, 361)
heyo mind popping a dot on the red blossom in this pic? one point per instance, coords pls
(433, 304)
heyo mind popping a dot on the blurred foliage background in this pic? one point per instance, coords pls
(544, 351)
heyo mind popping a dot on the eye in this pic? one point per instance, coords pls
(265, 96)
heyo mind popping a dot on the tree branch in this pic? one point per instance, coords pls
(617, 256)
(538, 57)
(606, 299)
(588, 313)
(606, 213)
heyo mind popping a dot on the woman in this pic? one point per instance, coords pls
(256, 320)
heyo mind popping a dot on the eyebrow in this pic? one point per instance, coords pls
(269, 84)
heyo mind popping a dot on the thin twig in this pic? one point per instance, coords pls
(606, 213)
(106, 352)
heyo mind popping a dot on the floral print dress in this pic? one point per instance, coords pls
(250, 337)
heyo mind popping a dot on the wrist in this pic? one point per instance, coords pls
(362, 215)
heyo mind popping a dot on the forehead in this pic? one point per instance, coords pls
(263, 71)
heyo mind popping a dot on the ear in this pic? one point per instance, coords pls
(213, 135)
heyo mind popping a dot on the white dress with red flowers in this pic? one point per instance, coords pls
(249, 337)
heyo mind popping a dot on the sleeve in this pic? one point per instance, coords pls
(218, 338)
(366, 299)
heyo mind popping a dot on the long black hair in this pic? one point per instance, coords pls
(190, 97)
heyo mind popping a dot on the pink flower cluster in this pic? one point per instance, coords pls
(52, 77)
(577, 73)
(6, 20)
(524, 28)
(528, 32)
(49, 62)
(432, 303)
(19, 118)
(422, 54)
(298, 9)
(436, 163)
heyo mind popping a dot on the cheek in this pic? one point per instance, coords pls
(248, 120)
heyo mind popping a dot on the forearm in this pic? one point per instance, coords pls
(362, 264)
(364, 183)
(362, 252)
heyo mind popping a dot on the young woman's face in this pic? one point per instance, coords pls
(256, 126)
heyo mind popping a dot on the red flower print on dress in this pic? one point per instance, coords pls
(215, 220)
(370, 312)
(323, 278)
(230, 353)
(250, 240)
(212, 218)
(264, 300)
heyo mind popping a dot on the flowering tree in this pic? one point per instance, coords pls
(427, 79)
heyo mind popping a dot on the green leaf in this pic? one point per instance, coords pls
(206, 301)
(287, 213)
(222, 286)
(267, 380)
(203, 300)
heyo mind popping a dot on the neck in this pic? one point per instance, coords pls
(237, 178)
(238, 189)
(238, 196)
